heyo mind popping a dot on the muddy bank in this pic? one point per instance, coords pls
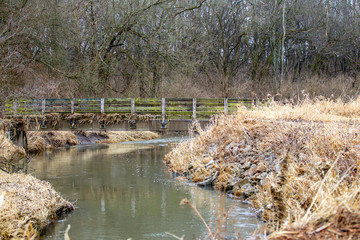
(300, 174)
(11, 156)
(40, 141)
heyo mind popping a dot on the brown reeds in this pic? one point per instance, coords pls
(296, 164)
(38, 141)
(11, 155)
(128, 136)
(28, 206)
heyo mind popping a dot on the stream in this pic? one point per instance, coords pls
(125, 191)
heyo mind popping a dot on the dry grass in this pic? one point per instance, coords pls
(38, 141)
(28, 206)
(127, 136)
(10, 155)
(41, 140)
(297, 164)
(318, 109)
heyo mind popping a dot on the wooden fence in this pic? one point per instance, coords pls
(159, 108)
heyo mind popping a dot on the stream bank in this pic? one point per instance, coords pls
(28, 205)
(297, 165)
(125, 191)
(42, 140)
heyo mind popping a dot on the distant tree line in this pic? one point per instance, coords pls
(187, 48)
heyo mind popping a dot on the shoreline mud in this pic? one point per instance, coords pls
(296, 165)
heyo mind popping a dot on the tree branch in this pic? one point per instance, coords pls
(191, 8)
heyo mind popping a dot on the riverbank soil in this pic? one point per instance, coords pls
(296, 164)
(39, 141)
(27, 205)
(10, 154)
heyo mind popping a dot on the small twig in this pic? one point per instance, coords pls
(66, 234)
(187, 202)
(321, 228)
(179, 238)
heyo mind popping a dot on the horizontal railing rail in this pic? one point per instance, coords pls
(158, 108)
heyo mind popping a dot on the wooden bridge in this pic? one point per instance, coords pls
(115, 114)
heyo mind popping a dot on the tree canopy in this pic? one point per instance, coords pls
(187, 48)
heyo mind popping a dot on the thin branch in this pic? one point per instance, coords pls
(191, 8)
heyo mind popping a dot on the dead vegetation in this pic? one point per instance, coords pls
(296, 164)
(52, 119)
(39, 141)
(27, 205)
(11, 156)
(128, 136)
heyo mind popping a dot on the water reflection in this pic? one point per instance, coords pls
(124, 191)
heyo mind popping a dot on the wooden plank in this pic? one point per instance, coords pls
(189, 117)
(148, 109)
(148, 100)
(180, 99)
(118, 108)
(214, 109)
(118, 99)
(210, 100)
(175, 113)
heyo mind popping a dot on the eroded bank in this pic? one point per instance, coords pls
(297, 165)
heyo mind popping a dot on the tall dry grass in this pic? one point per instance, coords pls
(28, 205)
(11, 156)
(296, 164)
(128, 136)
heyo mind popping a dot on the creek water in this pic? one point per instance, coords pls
(125, 191)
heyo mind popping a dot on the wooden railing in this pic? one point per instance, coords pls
(158, 108)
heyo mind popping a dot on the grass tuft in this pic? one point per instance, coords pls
(28, 206)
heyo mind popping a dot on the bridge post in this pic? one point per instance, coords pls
(163, 109)
(15, 107)
(194, 109)
(133, 106)
(43, 104)
(18, 137)
(102, 107)
(72, 106)
(226, 106)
